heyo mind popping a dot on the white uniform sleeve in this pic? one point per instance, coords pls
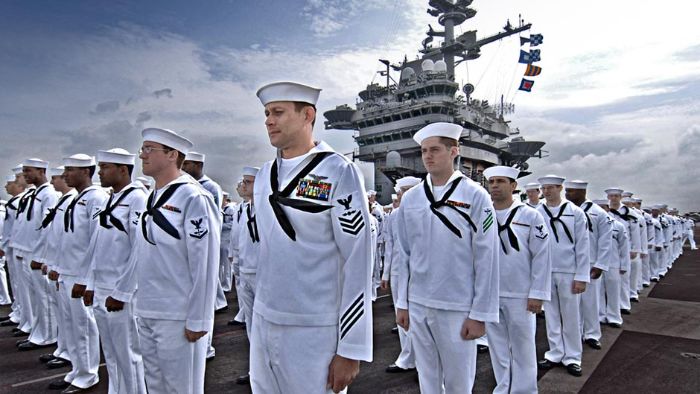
(485, 246)
(355, 247)
(388, 245)
(605, 234)
(540, 262)
(635, 236)
(47, 203)
(581, 247)
(625, 261)
(95, 203)
(402, 260)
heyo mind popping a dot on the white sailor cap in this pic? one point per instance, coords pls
(438, 129)
(637, 200)
(613, 190)
(225, 194)
(627, 200)
(371, 193)
(250, 171)
(35, 163)
(551, 179)
(116, 156)
(663, 206)
(656, 206)
(168, 138)
(504, 171)
(17, 170)
(627, 194)
(532, 186)
(195, 156)
(407, 181)
(601, 202)
(288, 91)
(576, 184)
(394, 197)
(646, 209)
(56, 171)
(79, 160)
(10, 178)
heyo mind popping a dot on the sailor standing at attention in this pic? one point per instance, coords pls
(570, 273)
(600, 242)
(448, 267)
(525, 282)
(532, 190)
(175, 268)
(72, 266)
(15, 187)
(312, 320)
(110, 251)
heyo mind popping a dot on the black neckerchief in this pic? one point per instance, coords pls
(512, 238)
(107, 220)
(252, 226)
(588, 205)
(625, 216)
(434, 205)
(51, 215)
(553, 220)
(240, 212)
(24, 201)
(30, 206)
(158, 218)
(10, 205)
(279, 198)
(68, 215)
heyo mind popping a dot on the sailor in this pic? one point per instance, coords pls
(649, 235)
(600, 243)
(636, 268)
(625, 216)
(619, 263)
(5, 298)
(525, 282)
(312, 321)
(14, 186)
(53, 222)
(532, 190)
(27, 242)
(570, 274)
(406, 360)
(689, 230)
(72, 267)
(175, 268)
(238, 225)
(656, 254)
(667, 227)
(111, 247)
(448, 265)
(228, 210)
(377, 227)
(248, 249)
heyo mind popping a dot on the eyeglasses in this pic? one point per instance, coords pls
(149, 149)
(247, 182)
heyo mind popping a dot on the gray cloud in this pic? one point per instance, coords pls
(106, 107)
(689, 54)
(143, 117)
(163, 93)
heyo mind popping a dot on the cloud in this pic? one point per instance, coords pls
(164, 93)
(107, 106)
(327, 17)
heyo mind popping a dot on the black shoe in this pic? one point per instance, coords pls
(7, 323)
(236, 323)
(645, 284)
(58, 384)
(594, 343)
(243, 380)
(4, 318)
(545, 364)
(45, 358)
(482, 349)
(654, 279)
(394, 330)
(21, 341)
(574, 369)
(393, 368)
(20, 333)
(625, 311)
(75, 389)
(58, 363)
(634, 299)
(31, 346)
(615, 325)
(16, 329)
(221, 310)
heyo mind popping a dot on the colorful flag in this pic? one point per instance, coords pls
(526, 85)
(534, 55)
(534, 40)
(532, 71)
(529, 57)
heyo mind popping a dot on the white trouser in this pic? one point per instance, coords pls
(240, 316)
(691, 239)
(172, 363)
(56, 306)
(635, 270)
(246, 297)
(83, 341)
(120, 345)
(562, 318)
(16, 314)
(590, 322)
(4, 293)
(225, 276)
(625, 290)
(44, 326)
(406, 358)
(654, 264)
(663, 260)
(512, 347)
(446, 363)
(609, 289)
(23, 287)
(220, 297)
(646, 269)
(290, 359)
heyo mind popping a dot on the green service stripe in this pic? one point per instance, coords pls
(488, 218)
(487, 225)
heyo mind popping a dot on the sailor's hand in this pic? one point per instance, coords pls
(472, 329)
(533, 305)
(44, 269)
(578, 287)
(402, 318)
(88, 297)
(341, 373)
(193, 336)
(2, 253)
(658, 248)
(385, 285)
(78, 290)
(596, 272)
(622, 272)
(53, 275)
(35, 265)
(113, 305)
(633, 255)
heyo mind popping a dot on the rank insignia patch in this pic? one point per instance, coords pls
(541, 234)
(199, 231)
(352, 222)
(314, 189)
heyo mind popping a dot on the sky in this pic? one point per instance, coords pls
(618, 101)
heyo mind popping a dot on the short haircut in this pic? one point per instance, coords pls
(180, 156)
(129, 168)
(299, 106)
(92, 170)
(449, 142)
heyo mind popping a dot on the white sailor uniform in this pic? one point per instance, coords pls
(313, 292)
(24, 275)
(225, 274)
(525, 273)
(247, 262)
(610, 286)
(448, 272)
(570, 262)
(630, 220)
(12, 268)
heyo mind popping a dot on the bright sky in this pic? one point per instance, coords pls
(617, 101)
